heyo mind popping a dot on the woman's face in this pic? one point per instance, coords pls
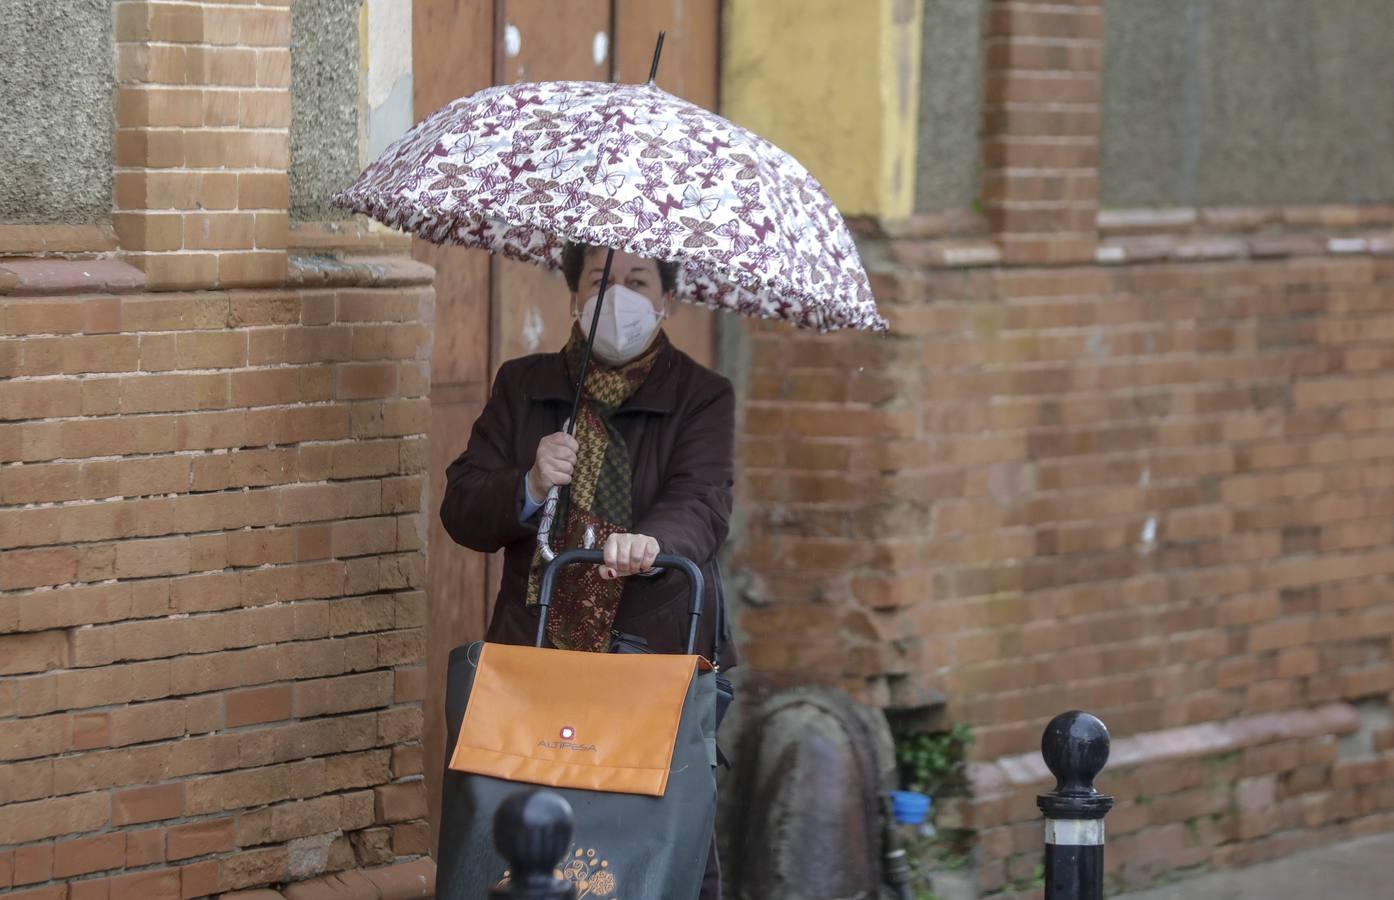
(634, 272)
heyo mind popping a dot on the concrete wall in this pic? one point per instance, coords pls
(951, 108)
(56, 90)
(324, 130)
(1237, 102)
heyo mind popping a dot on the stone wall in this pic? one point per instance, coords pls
(1246, 104)
(324, 129)
(57, 88)
(950, 105)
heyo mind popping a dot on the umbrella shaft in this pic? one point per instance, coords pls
(590, 341)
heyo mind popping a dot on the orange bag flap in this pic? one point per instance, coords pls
(593, 721)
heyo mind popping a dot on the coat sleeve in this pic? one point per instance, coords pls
(693, 510)
(484, 486)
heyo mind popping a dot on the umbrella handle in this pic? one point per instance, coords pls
(544, 528)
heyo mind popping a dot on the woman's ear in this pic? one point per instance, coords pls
(667, 304)
(575, 305)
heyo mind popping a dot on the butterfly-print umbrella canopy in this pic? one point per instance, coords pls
(521, 169)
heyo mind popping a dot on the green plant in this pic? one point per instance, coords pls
(930, 762)
(951, 860)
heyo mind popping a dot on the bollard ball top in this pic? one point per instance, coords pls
(532, 831)
(1075, 747)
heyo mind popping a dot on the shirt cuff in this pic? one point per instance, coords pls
(529, 508)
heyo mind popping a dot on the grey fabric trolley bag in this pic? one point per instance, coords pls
(629, 739)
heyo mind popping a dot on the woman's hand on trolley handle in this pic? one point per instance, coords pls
(628, 554)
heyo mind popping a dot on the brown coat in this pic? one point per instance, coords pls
(679, 427)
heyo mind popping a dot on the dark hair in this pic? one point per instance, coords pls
(573, 260)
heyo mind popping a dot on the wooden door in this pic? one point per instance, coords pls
(489, 310)
(452, 49)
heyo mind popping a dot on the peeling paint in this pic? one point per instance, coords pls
(389, 120)
(389, 48)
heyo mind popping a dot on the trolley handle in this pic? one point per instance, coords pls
(597, 557)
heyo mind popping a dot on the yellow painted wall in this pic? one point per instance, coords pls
(835, 83)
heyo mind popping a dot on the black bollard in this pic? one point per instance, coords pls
(1075, 747)
(532, 830)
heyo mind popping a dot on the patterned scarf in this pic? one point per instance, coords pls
(599, 500)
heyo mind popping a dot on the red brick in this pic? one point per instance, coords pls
(199, 879)
(91, 854)
(91, 730)
(199, 839)
(406, 761)
(361, 381)
(46, 567)
(49, 892)
(90, 889)
(36, 652)
(162, 884)
(257, 867)
(403, 879)
(410, 685)
(147, 804)
(24, 822)
(145, 847)
(411, 839)
(347, 693)
(27, 739)
(33, 864)
(249, 707)
(400, 802)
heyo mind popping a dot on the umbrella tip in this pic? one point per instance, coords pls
(657, 52)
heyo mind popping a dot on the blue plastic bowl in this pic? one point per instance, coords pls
(911, 808)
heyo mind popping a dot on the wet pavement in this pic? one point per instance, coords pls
(1356, 870)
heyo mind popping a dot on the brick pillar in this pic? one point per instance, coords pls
(1041, 147)
(203, 141)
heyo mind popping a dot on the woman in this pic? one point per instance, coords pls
(650, 470)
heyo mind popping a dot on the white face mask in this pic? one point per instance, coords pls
(628, 323)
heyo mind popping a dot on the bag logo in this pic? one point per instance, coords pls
(566, 742)
(567, 745)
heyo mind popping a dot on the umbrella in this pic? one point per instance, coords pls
(522, 169)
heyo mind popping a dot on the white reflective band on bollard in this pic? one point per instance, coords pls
(1075, 832)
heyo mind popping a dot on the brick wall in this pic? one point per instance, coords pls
(211, 576)
(1160, 492)
(1135, 462)
(1156, 491)
(203, 141)
(211, 536)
